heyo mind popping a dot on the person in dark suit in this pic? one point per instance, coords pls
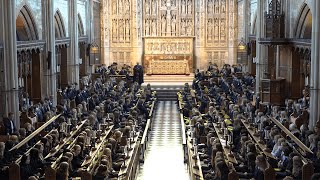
(8, 122)
(138, 73)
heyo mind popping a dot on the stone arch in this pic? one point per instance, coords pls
(80, 26)
(26, 29)
(60, 31)
(303, 28)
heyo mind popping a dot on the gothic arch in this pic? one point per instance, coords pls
(80, 26)
(60, 31)
(303, 27)
(26, 29)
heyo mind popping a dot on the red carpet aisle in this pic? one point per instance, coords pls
(164, 156)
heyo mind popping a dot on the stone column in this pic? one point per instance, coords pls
(246, 22)
(315, 65)
(278, 62)
(73, 53)
(106, 27)
(259, 49)
(51, 50)
(90, 30)
(232, 26)
(8, 16)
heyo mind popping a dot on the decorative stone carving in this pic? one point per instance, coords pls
(126, 23)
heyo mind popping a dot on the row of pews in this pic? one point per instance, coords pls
(134, 151)
(223, 132)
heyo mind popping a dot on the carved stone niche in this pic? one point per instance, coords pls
(274, 20)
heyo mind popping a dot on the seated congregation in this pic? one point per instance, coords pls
(231, 135)
(93, 133)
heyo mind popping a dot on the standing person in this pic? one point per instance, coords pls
(9, 124)
(138, 73)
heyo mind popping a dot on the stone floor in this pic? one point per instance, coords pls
(164, 154)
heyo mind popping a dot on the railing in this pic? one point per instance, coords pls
(294, 138)
(145, 136)
(66, 139)
(32, 135)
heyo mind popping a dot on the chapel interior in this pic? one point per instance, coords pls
(159, 89)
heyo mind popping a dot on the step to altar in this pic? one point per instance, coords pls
(168, 80)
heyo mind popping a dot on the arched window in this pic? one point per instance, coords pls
(304, 23)
(25, 25)
(59, 26)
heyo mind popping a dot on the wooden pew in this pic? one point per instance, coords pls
(183, 135)
(145, 138)
(148, 128)
(194, 161)
(50, 172)
(129, 167)
(227, 150)
(66, 139)
(98, 147)
(256, 137)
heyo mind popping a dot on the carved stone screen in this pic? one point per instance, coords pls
(168, 55)
(168, 18)
(211, 24)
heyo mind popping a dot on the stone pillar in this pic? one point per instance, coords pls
(50, 50)
(11, 90)
(105, 33)
(259, 49)
(278, 62)
(246, 22)
(90, 30)
(73, 53)
(315, 65)
(232, 38)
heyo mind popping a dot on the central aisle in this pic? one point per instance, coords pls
(164, 156)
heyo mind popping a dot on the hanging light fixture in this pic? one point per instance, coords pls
(94, 51)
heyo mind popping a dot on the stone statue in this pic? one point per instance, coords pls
(189, 28)
(173, 2)
(210, 6)
(189, 7)
(147, 8)
(223, 6)
(164, 2)
(127, 30)
(120, 7)
(154, 7)
(114, 30)
(222, 31)
(147, 26)
(183, 27)
(210, 27)
(216, 6)
(114, 7)
(127, 6)
(121, 29)
(163, 24)
(173, 25)
(216, 29)
(154, 27)
(183, 6)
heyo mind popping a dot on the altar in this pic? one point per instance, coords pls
(168, 55)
